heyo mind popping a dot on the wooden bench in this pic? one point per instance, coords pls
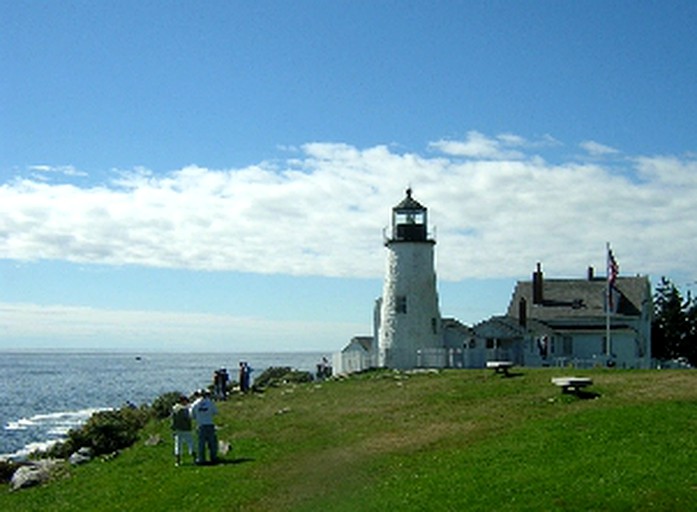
(500, 366)
(572, 384)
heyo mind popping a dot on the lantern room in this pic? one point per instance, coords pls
(409, 221)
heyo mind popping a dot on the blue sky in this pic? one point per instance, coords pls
(216, 176)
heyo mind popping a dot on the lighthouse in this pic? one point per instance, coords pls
(409, 318)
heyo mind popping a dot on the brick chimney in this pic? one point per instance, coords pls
(537, 285)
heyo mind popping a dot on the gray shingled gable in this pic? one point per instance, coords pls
(359, 342)
(579, 298)
(507, 326)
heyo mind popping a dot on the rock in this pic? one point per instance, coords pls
(28, 476)
(33, 473)
(83, 455)
(223, 447)
(110, 456)
(153, 440)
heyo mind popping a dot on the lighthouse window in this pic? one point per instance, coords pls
(401, 304)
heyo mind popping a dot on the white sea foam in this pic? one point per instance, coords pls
(55, 425)
(64, 420)
(21, 424)
(27, 450)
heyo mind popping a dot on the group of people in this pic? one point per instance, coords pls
(324, 369)
(184, 414)
(220, 382)
(201, 412)
(245, 376)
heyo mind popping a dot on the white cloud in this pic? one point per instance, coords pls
(596, 149)
(479, 146)
(67, 170)
(322, 212)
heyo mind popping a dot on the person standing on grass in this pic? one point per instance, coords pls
(183, 429)
(203, 410)
(245, 376)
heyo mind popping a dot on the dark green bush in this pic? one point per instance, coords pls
(280, 375)
(105, 432)
(162, 406)
(7, 469)
(108, 431)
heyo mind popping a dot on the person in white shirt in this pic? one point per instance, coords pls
(202, 411)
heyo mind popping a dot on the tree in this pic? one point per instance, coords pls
(674, 329)
(691, 338)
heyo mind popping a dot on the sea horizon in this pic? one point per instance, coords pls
(111, 350)
(48, 392)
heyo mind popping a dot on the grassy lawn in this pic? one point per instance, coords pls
(451, 440)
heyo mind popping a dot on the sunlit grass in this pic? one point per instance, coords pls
(453, 440)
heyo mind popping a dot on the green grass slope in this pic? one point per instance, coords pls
(451, 440)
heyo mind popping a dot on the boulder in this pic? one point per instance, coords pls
(223, 447)
(33, 473)
(153, 440)
(83, 455)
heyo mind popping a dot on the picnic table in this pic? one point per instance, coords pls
(572, 384)
(500, 366)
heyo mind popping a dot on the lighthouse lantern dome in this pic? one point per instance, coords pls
(409, 220)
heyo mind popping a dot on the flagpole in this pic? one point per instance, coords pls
(612, 270)
(608, 346)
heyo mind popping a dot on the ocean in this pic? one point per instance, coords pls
(44, 394)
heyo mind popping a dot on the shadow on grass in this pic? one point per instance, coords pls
(582, 394)
(225, 462)
(237, 460)
(507, 375)
(588, 395)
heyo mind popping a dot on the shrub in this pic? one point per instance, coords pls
(105, 432)
(279, 375)
(109, 431)
(7, 469)
(162, 406)
(112, 430)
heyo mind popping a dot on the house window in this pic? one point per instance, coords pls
(568, 346)
(401, 304)
(434, 325)
(491, 343)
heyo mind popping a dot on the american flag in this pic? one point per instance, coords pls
(613, 269)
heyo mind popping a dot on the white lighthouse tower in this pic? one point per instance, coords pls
(409, 314)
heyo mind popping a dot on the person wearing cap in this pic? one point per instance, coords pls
(183, 429)
(203, 410)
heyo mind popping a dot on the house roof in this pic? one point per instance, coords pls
(507, 327)
(579, 299)
(455, 324)
(363, 343)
